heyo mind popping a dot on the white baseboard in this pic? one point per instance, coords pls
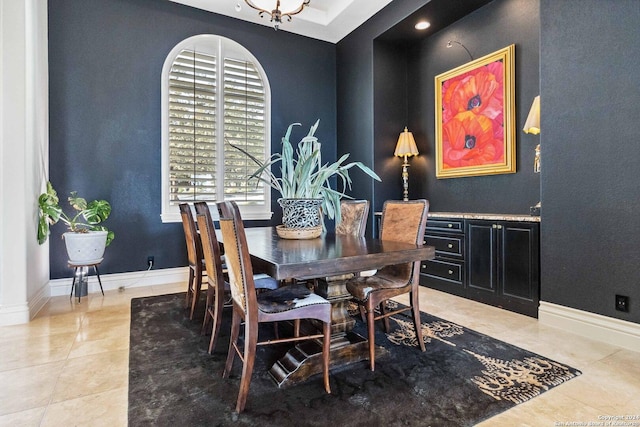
(128, 280)
(595, 326)
(14, 314)
(23, 313)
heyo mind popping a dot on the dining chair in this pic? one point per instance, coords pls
(288, 302)
(194, 253)
(217, 286)
(353, 217)
(402, 221)
(353, 222)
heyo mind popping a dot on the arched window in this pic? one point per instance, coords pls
(215, 95)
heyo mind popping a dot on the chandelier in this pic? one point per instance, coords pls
(283, 8)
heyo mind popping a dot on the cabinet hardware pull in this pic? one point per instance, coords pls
(450, 271)
(450, 225)
(499, 227)
(494, 226)
(450, 245)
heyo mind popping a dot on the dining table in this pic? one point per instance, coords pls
(319, 260)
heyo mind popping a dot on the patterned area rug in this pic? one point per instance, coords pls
(464, 377)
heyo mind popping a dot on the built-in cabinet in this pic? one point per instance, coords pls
(494, 260)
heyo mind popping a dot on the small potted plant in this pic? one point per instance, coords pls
(86, 238)
(304, 184)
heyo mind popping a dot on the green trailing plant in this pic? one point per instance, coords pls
(87, 216)
(302, 174)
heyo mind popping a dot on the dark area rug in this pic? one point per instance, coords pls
(464, 377)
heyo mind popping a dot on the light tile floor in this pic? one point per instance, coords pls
(69, 365)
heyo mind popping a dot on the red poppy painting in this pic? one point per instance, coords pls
(475, 128)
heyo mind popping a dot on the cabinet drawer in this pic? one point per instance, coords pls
(445, 270)
(452, 246)
(445, 225)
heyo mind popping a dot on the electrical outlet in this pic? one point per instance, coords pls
(150, 261)
(622, 303)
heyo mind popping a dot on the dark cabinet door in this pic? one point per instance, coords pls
(519, 262)
(481, 256)
(503, 264)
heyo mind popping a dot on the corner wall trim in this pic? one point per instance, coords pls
(612, 331)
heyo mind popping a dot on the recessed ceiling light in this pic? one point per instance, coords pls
(422, 25)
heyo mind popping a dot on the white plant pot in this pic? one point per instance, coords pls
(85, 248)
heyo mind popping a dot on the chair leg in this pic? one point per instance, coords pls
(250, 343)
(233, 340)
(296, 328)
(371, 333)
(363, 313)
(95, 268)
(385, 320)
(207, 313)
(415, 309)
(196, 292)
(326, 348)
(218, 306)
(190, 287)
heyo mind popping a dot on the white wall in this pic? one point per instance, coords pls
(24, 130)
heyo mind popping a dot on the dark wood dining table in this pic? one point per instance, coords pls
(326, 256)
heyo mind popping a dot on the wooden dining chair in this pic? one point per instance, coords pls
(217, 286)
(353, 217)
(402, 221)
(194, 253)
(285, 303)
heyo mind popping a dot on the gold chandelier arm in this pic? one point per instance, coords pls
(276, 14)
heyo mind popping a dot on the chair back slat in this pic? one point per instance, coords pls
(194, 247)
(404, 221)
(211, 252)
(353, 217)
(237, 256)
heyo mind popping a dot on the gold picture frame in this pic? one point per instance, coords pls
(475, 117)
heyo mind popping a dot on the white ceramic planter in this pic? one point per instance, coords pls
(85, 248)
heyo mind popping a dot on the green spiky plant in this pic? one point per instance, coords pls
(87, 217)
(303, 176)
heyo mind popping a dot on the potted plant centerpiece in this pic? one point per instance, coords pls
(86, 238)
(304, 184)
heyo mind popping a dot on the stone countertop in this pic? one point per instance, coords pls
(487, 216)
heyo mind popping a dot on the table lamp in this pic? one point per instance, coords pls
(406, 147)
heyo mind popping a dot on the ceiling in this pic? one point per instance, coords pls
(328, 20)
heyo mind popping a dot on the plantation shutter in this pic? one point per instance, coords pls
(244, 126)
(192, 127)
(215, 95)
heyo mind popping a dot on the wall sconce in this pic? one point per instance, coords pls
(532, 125)
(406, 147)
(450, 45)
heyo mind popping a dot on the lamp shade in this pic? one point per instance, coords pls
(532, 125)
(286, 6)
(406, 146)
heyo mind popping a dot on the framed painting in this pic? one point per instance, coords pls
(475, 117)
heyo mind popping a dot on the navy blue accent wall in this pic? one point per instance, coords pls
(105, 64)
(391, 111)
(589, 135)
(488, 29)
(356, 96)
